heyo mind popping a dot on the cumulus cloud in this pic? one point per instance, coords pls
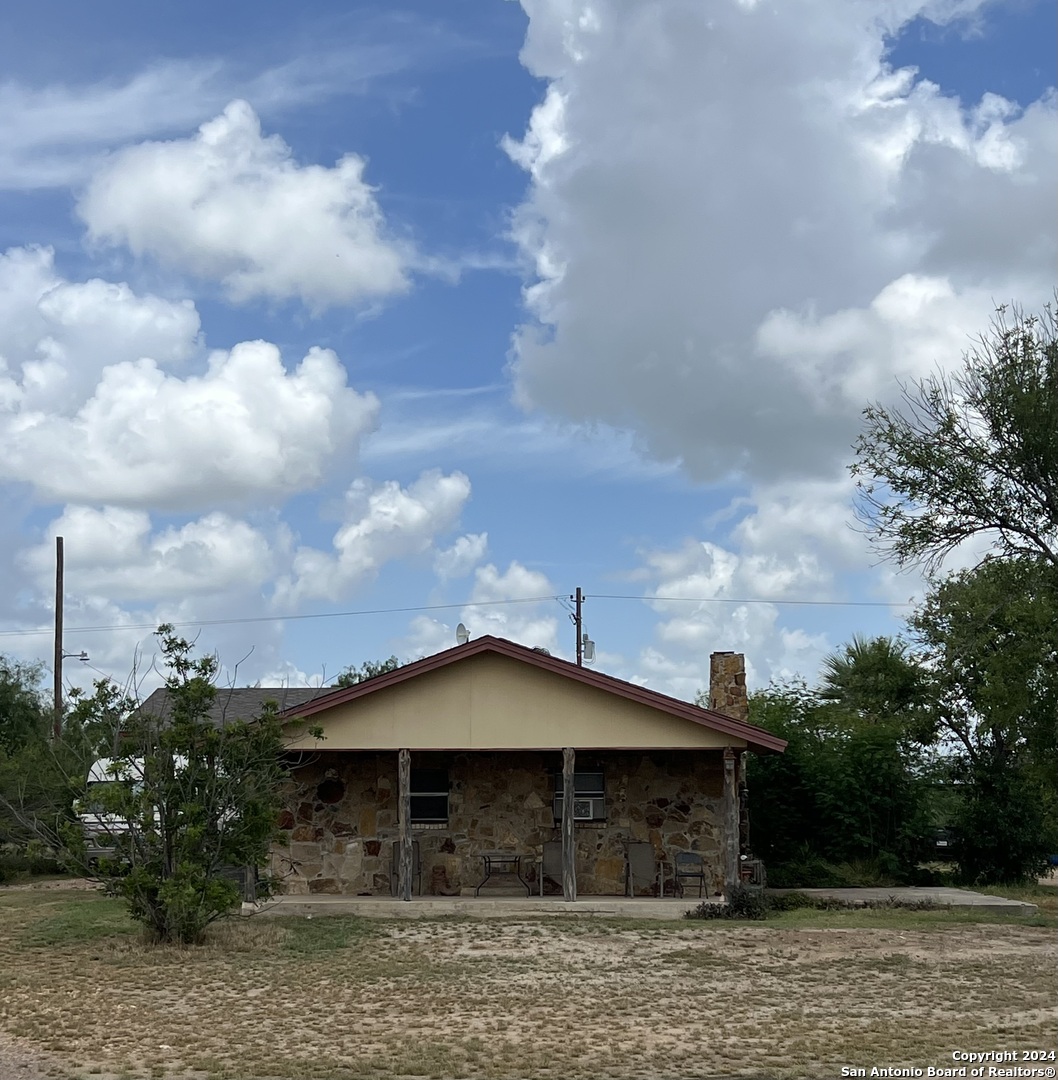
(113, 552)
(382, 522)
(233, 205)
(529, 619)
(243, 429)
(459, 559)
(742, 222)
(706, 598)
(57, 336)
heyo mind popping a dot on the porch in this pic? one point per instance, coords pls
(433, 907)
(558, 825)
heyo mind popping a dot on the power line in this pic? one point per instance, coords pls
(755, 600)
(471, 604)
(279, 618)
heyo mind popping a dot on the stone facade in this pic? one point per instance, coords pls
(727, 685)
(341, 818)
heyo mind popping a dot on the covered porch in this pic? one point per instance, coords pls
(494, 769)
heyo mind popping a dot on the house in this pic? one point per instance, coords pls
(491, 747)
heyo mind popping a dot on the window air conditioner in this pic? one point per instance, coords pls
(583, 809)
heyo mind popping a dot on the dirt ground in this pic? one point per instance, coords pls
(503, 999)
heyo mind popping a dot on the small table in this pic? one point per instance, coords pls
(501, 862)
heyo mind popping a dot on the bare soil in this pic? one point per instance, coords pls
(504, 999)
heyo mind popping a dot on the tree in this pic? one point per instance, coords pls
(990, 635)
(970, 454)
(192, 800)
(24, 715)
(845, 790)
(370, 669)
(877, 679)
(31, 774)
(975, 455)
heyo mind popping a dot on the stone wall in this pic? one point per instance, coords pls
(341, 818)
(727, 685)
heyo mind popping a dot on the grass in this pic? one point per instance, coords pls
(795, 996)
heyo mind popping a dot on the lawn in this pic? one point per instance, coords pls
(340, 998)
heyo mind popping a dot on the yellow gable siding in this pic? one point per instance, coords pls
(491, 702)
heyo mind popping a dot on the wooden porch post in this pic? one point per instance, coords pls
(569, 850)
(404, 813)
(729, 830)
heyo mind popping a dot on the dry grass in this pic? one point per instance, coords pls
(340, 998)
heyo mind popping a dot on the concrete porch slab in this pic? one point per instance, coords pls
(956, 898)
(484, 907)
(419, 907)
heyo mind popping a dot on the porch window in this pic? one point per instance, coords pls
(589, 796)
(429, 796)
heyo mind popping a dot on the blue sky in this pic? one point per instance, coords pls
(589, 295)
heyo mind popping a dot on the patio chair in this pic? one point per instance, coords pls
(689, 867)
(641, 868)
(416, 869)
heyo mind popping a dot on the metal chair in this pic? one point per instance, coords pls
(689, 867)
(416, 868)
(641, 867)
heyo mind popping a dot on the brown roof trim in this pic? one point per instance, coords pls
(756, 737)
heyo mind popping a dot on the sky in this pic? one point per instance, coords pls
(326, 327)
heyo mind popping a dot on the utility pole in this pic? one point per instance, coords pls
(579, 598)
(57, 665)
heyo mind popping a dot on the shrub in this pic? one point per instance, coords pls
(743, 903)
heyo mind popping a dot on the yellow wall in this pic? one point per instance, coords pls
(490, 702)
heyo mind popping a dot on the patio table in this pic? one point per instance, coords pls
(501, 862)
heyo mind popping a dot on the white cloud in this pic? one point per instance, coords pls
(459, 559)
(515, 604)
(114, 553)
(741, 221)
(244, 429)
(232, 204)
(701, 585)
(56, 336)
(381, 523)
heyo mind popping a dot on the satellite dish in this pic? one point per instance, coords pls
(462, 634)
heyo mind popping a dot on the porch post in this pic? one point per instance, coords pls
(569, 867)
(729, 829)
(404, 822)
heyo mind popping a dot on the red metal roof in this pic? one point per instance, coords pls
(756, 737)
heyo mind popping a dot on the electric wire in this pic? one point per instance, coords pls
(560, 597)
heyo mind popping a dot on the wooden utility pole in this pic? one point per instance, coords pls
(579, 598)
(57, 665)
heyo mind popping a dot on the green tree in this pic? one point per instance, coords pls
(192, 799)
(990, 635)
(878, 680)
(975, 456)
(370, 669)
(24, 716)
(33, 774)
(971, 454)
(845, 790)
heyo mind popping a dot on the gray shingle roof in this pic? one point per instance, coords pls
(241, 703)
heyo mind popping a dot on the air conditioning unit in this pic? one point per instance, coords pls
(583, 809)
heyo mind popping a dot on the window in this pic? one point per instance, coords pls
(589, 796)
(429, 796)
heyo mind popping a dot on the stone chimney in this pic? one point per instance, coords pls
(727, 685)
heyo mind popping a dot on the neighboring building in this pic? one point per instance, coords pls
(479, 744)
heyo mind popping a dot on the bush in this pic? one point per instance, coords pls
(744, 903)
(19, 859)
